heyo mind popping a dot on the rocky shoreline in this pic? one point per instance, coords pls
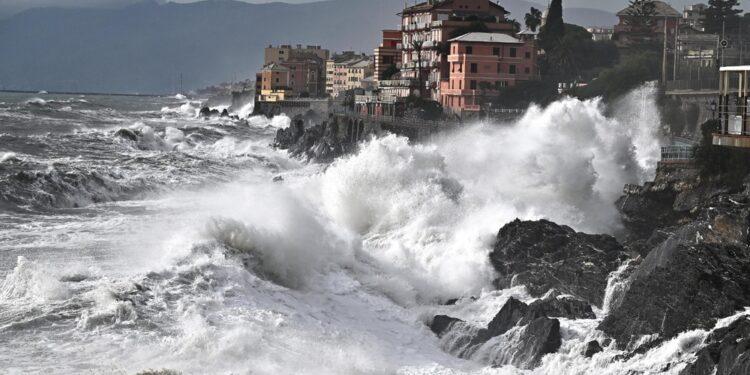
(682, 263)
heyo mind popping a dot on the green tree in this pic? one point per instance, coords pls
(721, 14)
(418, 46)
(630, 73)
(533, 19)
(641, 19)
(389, 72)
(554, 27)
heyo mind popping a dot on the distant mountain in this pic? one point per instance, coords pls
(143, 48)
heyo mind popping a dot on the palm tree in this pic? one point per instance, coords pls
(418, 47)
(533, 19)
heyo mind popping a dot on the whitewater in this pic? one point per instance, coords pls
(136, 235)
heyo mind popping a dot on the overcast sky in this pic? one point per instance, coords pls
(10, 7)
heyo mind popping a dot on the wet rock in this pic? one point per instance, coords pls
(537, 339)
(321, 143)
(509, 315)
(681, 286)
(442, 323)
(727, 352)
(225, 113)
(543, 255)
(667, 201)
(592, 348)
(127, 134)
(278, 179)
(560, 307)
(206, 112)
(514, 336)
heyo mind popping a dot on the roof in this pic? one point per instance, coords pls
(528, 32)
(360, 64)
(274, 67)
(662, 10)
(486, 38)
(745, 68)
(432, 4)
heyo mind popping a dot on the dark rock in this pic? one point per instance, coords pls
(560, 307)
(278, 179)
(592, 348)
(727, 352)
(539, 338)
(321, 143)
(206, 112)
(681, 287)
(526, 338)
(667, 201)
(225, 113)
(127, 134)
(442, 323)
(543, 255)
(451, 302)
(509, 315)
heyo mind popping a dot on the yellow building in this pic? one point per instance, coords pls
(346, 72)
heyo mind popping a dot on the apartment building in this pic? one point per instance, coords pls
(347, 71)
(387, 54)
(480, 64)
(428, 26)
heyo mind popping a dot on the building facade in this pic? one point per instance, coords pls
(290, 72)
(664, 23)
(347, 71)
(387, 54)
(599, 34)
(694, 16)
(272, 83)
(286, 52)
(428, 26)
(481, 64)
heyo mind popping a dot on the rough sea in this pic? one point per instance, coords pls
(135, 235)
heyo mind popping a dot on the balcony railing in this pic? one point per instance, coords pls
(694, 85)
(677, 153)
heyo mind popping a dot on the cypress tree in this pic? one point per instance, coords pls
(554, 28)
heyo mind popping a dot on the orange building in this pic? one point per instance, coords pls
(430, 25)
(273, 83)
(483, 63)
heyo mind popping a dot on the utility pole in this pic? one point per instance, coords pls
(674, 54)
(664, 55)
(723, 39)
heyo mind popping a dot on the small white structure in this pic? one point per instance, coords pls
(734, 114)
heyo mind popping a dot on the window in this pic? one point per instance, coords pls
(473, 68)
(527, 70)
(496, 51)
(512, 69)
(528, 55)
(473, 85)
(277, 80)
(499, 68)
(469, 50)
(513, 52)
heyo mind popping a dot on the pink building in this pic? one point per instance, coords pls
(483, 63)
